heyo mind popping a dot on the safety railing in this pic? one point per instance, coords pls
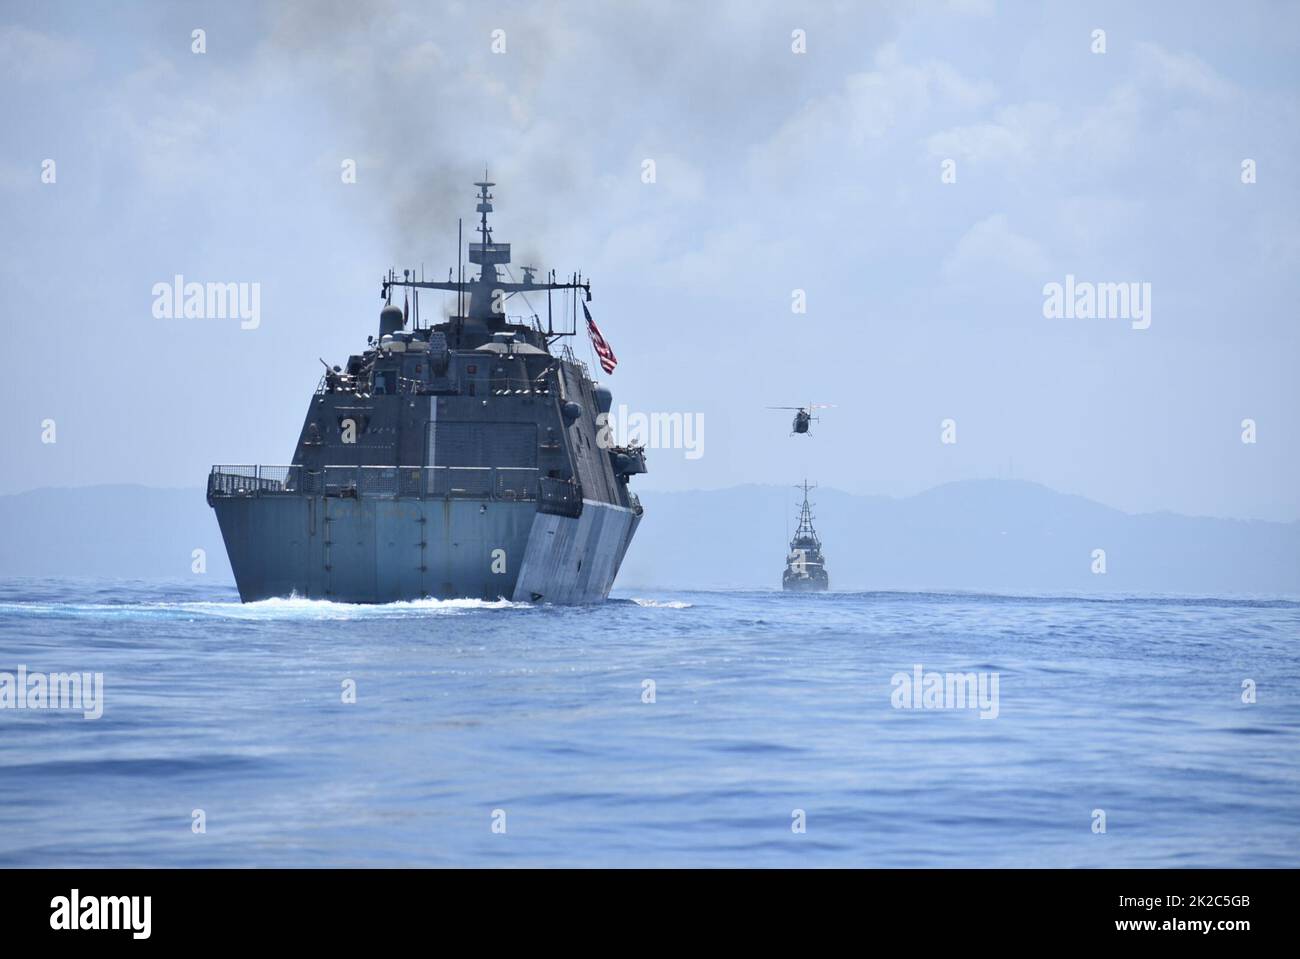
(504, 483)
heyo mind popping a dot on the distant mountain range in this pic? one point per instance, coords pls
(990, 535)
(128, 532)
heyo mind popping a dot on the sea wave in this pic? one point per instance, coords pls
(318, 733)
(291, 607)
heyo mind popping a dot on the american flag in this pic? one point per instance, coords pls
(607, 358)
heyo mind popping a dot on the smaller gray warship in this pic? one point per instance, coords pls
(805, 567)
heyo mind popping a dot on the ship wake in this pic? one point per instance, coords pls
(285, 608)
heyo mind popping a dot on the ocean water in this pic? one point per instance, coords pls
(469, 714)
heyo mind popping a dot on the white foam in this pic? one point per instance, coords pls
(291, 607)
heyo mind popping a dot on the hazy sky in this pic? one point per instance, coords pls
(776, 171)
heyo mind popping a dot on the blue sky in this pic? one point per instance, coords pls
(775, 171)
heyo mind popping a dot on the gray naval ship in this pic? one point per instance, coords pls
(805, 567)
(463, 458)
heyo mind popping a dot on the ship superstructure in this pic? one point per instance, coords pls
(805, 568)
(456, 459)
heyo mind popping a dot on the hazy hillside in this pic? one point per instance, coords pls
(981, 534)
(132, 532)
(978, 535)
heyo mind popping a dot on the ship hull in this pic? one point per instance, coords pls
(806, 584)
(365, 550)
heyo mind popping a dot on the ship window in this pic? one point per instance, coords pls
(382, 384)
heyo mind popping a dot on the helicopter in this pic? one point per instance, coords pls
(803, 416)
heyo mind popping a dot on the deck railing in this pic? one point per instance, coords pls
(505, 483)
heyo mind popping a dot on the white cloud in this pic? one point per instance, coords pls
(971, 8)
(422, 59)
(866, 107)
(991, 244)
(1066, 143)
(173, 137)
(1182, 72)
(1109, 132)
(1017, 134)
(32, 57)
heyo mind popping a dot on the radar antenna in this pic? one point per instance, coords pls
(480, 310)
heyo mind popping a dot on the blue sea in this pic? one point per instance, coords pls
(500, 734)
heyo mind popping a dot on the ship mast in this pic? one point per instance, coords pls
(478, 315)
(485, 253)
(805, 532)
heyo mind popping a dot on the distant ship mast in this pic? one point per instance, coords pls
(805, 536)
